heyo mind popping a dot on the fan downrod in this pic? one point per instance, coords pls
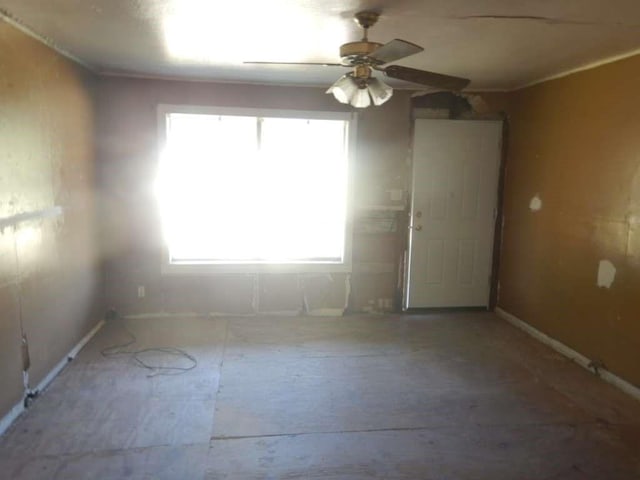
(354, 53)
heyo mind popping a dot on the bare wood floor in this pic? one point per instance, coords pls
(446, 396)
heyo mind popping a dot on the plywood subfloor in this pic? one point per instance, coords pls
(446, 396)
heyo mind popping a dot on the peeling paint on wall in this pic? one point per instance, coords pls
(535, 204)
(606, 274)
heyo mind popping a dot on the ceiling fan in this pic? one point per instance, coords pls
(359, 86)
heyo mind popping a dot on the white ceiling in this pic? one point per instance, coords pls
(498, 44)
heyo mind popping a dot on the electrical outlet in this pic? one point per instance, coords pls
(141, 292)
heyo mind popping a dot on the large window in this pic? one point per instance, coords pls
(244, 190)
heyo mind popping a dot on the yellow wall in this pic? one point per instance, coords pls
(49, 271)
(575, 142)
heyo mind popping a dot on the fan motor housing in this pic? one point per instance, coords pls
(352, 53)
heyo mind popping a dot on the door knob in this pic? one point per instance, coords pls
(415, 227)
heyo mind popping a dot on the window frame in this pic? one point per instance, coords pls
(168, 268)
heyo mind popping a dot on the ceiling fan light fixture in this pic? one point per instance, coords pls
(344, 89)
(359, 88)
(361, 99)
(380, 91)
(359, 92)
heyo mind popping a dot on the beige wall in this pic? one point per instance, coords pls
(132, 239)
(575, 142)
(49, 280)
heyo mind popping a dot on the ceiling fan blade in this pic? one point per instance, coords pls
(422, 77)
(394, 50)
(297, 63)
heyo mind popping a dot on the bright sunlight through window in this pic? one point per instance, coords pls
(240, 189)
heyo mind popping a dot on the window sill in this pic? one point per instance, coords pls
(249, 269)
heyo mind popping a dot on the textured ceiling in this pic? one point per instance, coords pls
(498, 44)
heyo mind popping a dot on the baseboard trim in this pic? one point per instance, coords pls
(570, 353)
(321, 312)
(10, 417)
(44, 383)
(18, 408)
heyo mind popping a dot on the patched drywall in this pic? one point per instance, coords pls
(606, 274)
(535, 204)
(572, 269)
(49, 270)
(131, 235)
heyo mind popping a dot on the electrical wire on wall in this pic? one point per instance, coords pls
(138, 356)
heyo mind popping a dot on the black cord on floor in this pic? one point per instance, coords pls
(137, 355)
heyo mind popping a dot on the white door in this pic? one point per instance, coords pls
(453, 208)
